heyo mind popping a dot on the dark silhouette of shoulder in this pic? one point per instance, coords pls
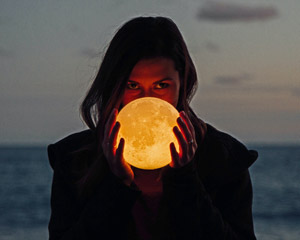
(229, 147)
(222, 158)
(62, 148)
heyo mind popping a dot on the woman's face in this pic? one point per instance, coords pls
(156, 77)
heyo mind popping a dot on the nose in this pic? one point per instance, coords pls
(147, 93)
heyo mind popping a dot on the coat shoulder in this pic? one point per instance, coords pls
(223, 158)
(229, 147)
(76, 139)
(71, 143)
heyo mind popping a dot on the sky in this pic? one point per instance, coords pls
(247, 55)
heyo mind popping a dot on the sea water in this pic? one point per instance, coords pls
(25, 187)
(276, 185)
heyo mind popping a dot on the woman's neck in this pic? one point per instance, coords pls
(148, 181)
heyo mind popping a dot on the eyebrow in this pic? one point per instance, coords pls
(161, 80)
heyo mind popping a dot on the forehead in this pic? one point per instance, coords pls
(153, 68)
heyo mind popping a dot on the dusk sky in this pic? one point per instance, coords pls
(247, 55)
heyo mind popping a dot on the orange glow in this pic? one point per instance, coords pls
(146, 126)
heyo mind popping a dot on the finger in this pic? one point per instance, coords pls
(120, 150)
(120, 165)
(120, 161)
(109, 123)
(191, 142)
(188, 122)
(113, 137)
(182, 142)
(184, 129)
(175, 157)
(115, 159)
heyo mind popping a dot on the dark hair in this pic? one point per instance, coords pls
(139, 38)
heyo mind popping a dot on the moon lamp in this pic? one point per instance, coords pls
(147, 128)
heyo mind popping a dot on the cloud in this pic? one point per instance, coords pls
(228, 12)
(275, 89)
(211, 46)
(89, 52)
(295, 92)
(2, 21)
(239, 81)
(232, 79)
(5, 53)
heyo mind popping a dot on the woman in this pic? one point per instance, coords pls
(204, 193)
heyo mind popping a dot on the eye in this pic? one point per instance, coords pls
(162, 85)
(132, 85)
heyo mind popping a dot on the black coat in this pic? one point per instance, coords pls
(210, 198)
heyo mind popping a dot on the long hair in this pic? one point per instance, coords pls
(139, 38)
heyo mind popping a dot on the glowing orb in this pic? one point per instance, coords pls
(146, 126)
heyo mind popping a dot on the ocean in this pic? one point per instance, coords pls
(25, 186)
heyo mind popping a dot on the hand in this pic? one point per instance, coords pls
(113, 154)
(187, 142)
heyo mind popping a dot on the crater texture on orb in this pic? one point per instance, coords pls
(146, 126)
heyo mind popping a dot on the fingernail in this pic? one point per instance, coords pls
(180, 119)
(176, 129)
